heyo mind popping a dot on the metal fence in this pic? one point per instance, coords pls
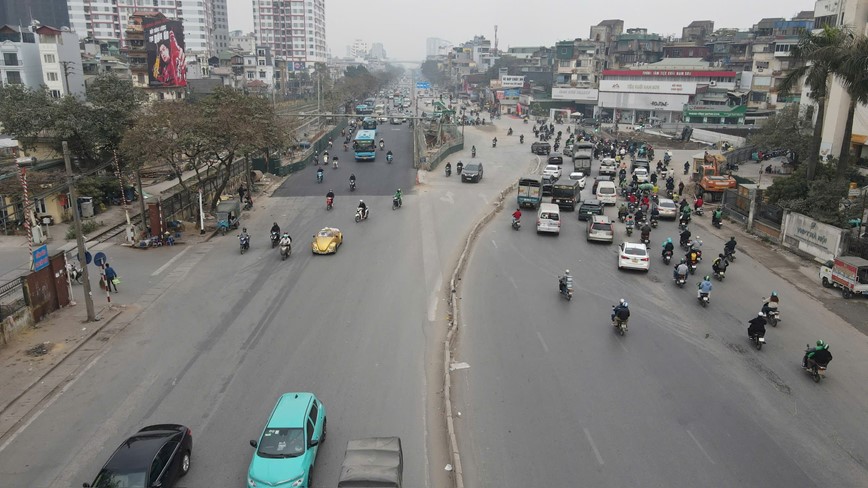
(12, 297)
(856, 246)
(736, 206)
(770, 213)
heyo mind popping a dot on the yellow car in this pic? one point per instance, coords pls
(327, 241)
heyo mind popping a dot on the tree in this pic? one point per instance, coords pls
(852, 71)
(785, 129)
(819, 198)
(25, 113)
(816, 71)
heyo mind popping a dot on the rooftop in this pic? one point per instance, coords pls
(693, 63)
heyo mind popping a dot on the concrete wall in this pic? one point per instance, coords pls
(711, 137)
(806, 235)
(14, 324)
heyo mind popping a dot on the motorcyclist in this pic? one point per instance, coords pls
(680, 269)
(448, 167)
(285, 239)
(516, 216)
(622, 211)
(459, 166)
(473, 151)
(729, 247)
(562, 281)
(364, 209)
(697, 204)
(757, 326)
(275, 229)
(686, 166)
(382, 144)
(720, 264)
(717, 216)
(771, 305)
(398, 196)
(633, 200)
(389, 155)
(646, 231)
(692, 256)
(521, 139)
(629, 222)
(244, 236)
(667, 246)
(352, 179)
(319, 174)
(621, 311)
(494, 142)
(639, 215)
(685, 237)
(819, 354)
(655, 213)
(705, 287)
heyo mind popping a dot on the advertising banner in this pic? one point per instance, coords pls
(579, 94)
(298, 66)
(512, 81)
(514, 92)
(643, 101)
(164, 44)
(651, 86)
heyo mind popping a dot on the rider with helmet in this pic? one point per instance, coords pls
(704, 287)
(668, 246)
(364, 209)
(563, 280)
(681, 269)
(819, 354)
(757, 326)
(621, 311)
(398, 196)
(772, 303)
(719, 265)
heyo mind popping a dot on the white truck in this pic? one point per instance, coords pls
(849, 273)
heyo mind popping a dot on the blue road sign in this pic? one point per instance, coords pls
(99, 259)
(87, 257)
(40, 257)
(423, 85)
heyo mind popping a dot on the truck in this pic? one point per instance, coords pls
(849, 273)
(374, 462)
(583, 149)
(565, 193)
(529, 191)
(582, 165)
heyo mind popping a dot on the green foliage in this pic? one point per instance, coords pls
(24, 113)
(820, 198)
(100, 187)
(786, 129)
(87, 226)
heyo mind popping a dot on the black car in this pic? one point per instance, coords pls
(541, 148)
(472, 171)
(590, 207)
(157, 455)
(555, 158)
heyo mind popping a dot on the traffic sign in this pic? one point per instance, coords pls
(87, 257)
(99, 259)
(423, 85)
(40, 257)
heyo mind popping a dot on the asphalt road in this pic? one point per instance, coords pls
(553, 397)
(230, 333)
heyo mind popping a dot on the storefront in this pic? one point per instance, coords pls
(640, 108)
(714, 114)
(584, 100)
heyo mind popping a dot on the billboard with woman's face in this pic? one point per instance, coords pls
(164, 43)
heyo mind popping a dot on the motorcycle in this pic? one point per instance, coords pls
(274, 238)
(516, 224)
(646, 239)
(692, 266)
(361, 216)
(717, 223)
(667, 256)
(817, 371)
(329, 203)
(248, 203)
(244, 241)
(460, 166)
(629, 227)
(509, 132)
(396, 203)
(620, 325)
(335, 164)
(319, 177)
(566, 291)
(472, 155)
(521, 139)
(729, 254)
(703, 298)
(285, 251)
(654, 223)
(352, 185)
(74, 273)
(758, 341)
(448, 172)
(389, 158)
(680, 280)
(698, 211)
(494, 143)
(720, 275)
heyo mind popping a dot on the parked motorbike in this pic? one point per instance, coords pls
(285, 251)
(244, 241)
(274, 238)
(566, 291)
(74, 273)
(362, 216)
(329, 203)
(516, 223)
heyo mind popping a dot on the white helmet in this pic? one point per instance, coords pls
(623, 302)
(762, 314)
(567, 272)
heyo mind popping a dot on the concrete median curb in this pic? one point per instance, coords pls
(455, 318)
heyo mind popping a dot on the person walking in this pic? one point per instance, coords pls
(110, 277)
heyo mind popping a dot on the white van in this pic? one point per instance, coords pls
(548, 218)
(607, 192)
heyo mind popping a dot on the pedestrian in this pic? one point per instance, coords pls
(241, 192)
(680, 187)
(111, 278)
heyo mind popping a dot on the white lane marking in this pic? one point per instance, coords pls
(539, 336)
(494, 243)
(513, 283)
(434, 299)
(700, 446)
(458, 366)
(170, 262)
(48, 404)
(593, 446)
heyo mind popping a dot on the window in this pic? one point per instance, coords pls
(13, 77)
(262, 74)
(49, 58)
(251, 75)
(314, 410)
(55, 94)
(261, 62)
(51, 76)
(39, 206)
(10, 59)
(310, 427)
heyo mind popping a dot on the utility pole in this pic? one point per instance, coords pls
(73, 195)
(142, 203)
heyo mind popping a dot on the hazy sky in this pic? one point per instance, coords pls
(403, 25)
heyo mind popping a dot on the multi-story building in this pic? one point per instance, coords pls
(24, 12)
(853, 15)
(685, 49)
(245, 43)
(259, 67)
(293, 29)
(38, 56)
(20, 51)
(95, 62)
(359, 49)
(205, 21)
(771, 59)
(637, 47)
(697, 31)
(606, 33)
(377, 51)
(579, 64)
(436, 47)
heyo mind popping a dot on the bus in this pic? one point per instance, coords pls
(529, 191)
(365, 145)
(369, 123)
(363, 109)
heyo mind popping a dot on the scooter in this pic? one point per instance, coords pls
(720, 275)
(285, 251)
(692, 266)
(516, 224)
(248, 203)
(329, 203)
(74, 273)
(667, 257)
(274, 238)
(494, 143)
(472, 155)
(448, 171)
(361, 216)
(730, 255)
(680, 281)
(698, 211)
(620, 325)
(566, 291)
(396, 203)
(717, 223)
(244, 242)
(646, 239)
(817, 371)
(319, 177)
(758, 341)
(335, 164)
(703, 298)
(389, 158)
(629, 228)
(460, 166)
(352, 185)
(654, 223)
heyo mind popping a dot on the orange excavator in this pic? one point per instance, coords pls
(709, 174)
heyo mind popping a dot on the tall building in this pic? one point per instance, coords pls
(435, 46)
(23, 12)
(244, 42)
(205, 21)
(359, 49)
(377, 51)
(293, 29)
(37, 56)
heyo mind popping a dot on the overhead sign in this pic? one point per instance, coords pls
(579, 94)
(423, 85)
(40, 257)
(512, 81)
(649, 86)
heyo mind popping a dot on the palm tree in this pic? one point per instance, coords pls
(852, 71)
(813, 50)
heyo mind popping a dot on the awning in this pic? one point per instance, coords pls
(859, 139)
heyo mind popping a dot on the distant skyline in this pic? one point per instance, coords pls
(402, 27)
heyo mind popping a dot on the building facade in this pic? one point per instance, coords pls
(294, 30)
(637, 46)
(435, 46)
(60, 57)
(24, 12)
(19, 50)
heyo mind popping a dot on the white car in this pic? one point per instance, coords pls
(641, 175)
(552, 170)
(580, 177)
(632, 255)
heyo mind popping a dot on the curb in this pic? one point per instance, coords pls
(455, 317)
(69, 352)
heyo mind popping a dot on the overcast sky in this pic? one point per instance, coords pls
(403, 25)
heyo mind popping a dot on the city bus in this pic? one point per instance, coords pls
(363, 109)
(369, 123)
(365, 145)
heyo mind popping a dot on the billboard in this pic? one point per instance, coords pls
(648, 86)
(578, 94)
(164, 44)
(643, 101)
(512, 81)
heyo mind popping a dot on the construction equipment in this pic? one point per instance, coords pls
(710, 177)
